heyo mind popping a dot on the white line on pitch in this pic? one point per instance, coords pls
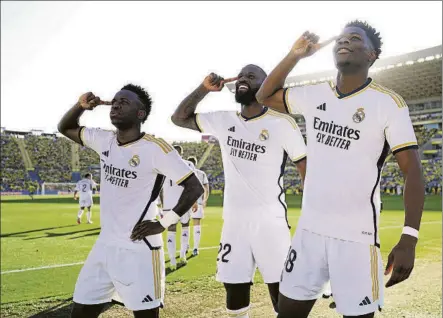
(201, 248)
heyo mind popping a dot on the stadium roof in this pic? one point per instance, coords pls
(415, 76)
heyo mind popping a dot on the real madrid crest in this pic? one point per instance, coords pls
(264, 135)
(359, 115)
(134, 161)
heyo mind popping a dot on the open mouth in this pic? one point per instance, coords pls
(242, 88)
(343, 50)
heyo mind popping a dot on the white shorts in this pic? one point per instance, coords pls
(136, 275)
(245, 246)
(85, 203)
(354, 269)
(184, 219)
(199, 214)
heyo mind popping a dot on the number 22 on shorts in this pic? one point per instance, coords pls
(227, 248)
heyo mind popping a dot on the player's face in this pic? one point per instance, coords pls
(249, 81)
(124, 110)
(352, 50)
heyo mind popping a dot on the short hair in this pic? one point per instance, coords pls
(179, 149)
(193, 160)
(87, 175)
(371, 33)
(142, 95)
(266, 75)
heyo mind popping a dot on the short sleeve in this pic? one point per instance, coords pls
(168, 162)
(293, 144)
(399, 131)
(205, 178)
(95, 138)
(294, 99)
(208, 123)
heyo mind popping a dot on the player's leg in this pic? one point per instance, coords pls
(185, 238)
(79, 214)
(89, 215)
(94, 287)
(371, 315)
(238, 297)
(197, 217)
(270, 244)
(305, 273)
(149, 313)
(172, 246)
(138, 275)
(236, 267)
(87, 311)
(356, 277)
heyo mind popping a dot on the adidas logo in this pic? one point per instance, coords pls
(147, 299)
(105, 153)
(365, 302)
(169, 241)
(185, 235)
(322, 107)
(232, 129)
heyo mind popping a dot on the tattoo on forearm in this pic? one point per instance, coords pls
(185, 112)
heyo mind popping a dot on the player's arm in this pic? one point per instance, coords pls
(294, 145)
(69, 124)
(191, 192)
(75, 195)
(161, 197)
(401, 137)
(185, 116)
(271, 92)
(206, 193)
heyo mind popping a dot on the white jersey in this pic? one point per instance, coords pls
(254, 153)
(132, 175)
(203, 178)
(172, 191)
(348, 139)
(84, 188)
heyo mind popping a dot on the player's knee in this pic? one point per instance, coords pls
(185, 224)
(237, 296)
(172, 228)
(86, 311)
(196, 221)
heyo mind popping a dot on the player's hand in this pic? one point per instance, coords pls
(308, 44)
(146, 228)
(401, 260)
(194, 207)
(215, 83)
(89, 101)
(75, 198)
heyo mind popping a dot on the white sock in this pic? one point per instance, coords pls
(197, 234)
(80, 213)
(171, 247)
(184, 242)
(239, 313)
(327, 289)
(88, 215)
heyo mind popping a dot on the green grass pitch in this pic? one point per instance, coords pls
(43, 232)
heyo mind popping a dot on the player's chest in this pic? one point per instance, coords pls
(124, 167)
(349, 125)
(249, 141)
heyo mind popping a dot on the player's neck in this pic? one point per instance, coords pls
(128, 135)
(254, 109)
(347, 83)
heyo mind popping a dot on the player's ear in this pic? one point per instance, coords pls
(141, 114)
(372, 56)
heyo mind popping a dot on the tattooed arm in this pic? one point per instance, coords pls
(184, 115)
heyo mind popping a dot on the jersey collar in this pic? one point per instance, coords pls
(264, 111)
(356, 91)
(125, 144)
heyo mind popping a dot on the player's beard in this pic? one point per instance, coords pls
(246, 98)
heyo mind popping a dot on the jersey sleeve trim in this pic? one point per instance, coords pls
(299, 158)
(80, 135)
(285, 116)
(197, 122)
(185, 177)
(408, 145)
(164, 146)
(397, 98)
(285, 100)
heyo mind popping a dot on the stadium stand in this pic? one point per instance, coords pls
(416, 76)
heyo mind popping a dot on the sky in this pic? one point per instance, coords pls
(52, 52)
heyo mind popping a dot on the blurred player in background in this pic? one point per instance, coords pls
(351, 125)
(198, 208)
(171, 193)
(85, 187)
(127, 257)
(255, 144)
